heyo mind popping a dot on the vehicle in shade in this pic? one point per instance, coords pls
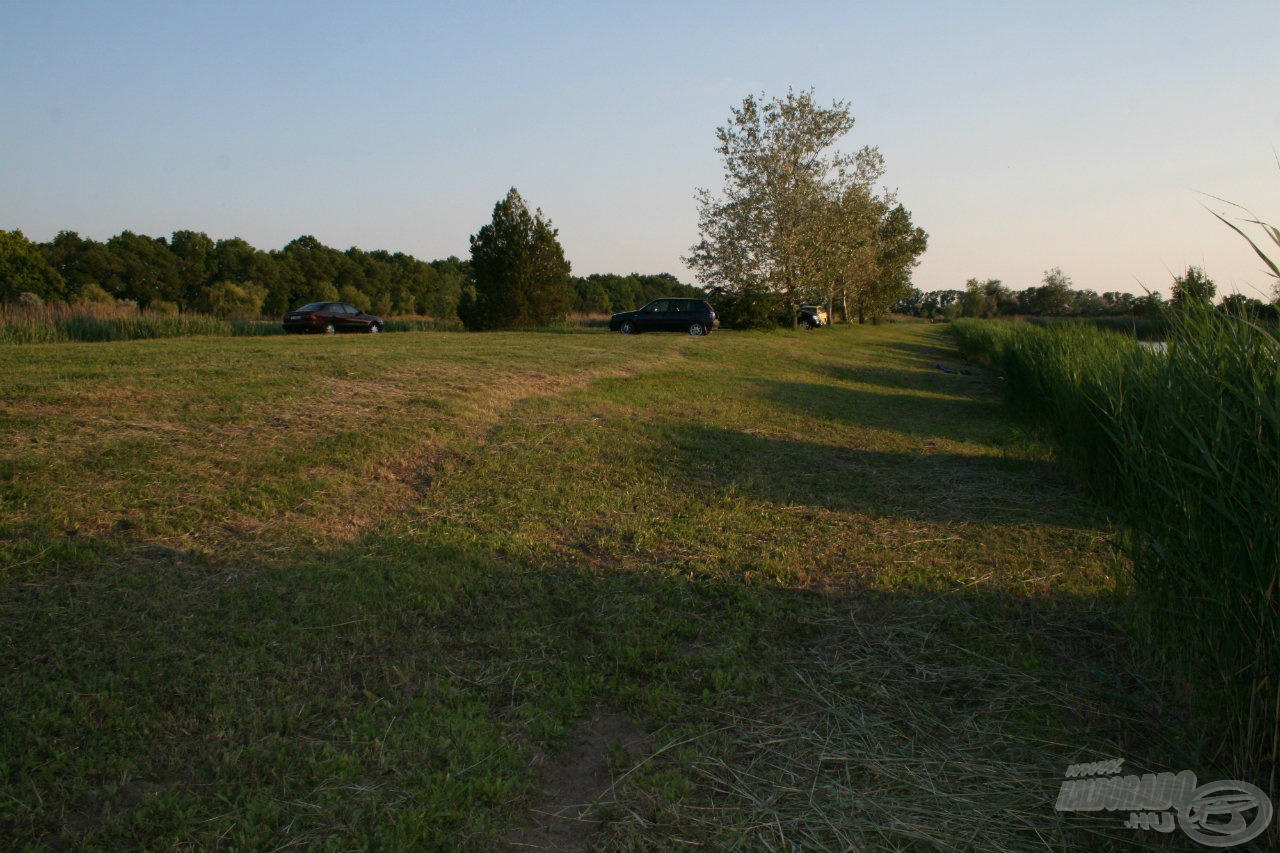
(811, 316)
(330, 318)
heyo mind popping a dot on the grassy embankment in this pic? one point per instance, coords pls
(787, 589)
(1185, 444)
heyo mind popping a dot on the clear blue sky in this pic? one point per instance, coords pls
(1022, 135)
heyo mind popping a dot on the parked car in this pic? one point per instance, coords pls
(694, 316)
(812, 316)
(330, 318)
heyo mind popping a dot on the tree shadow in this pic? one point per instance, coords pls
(942, 348)
(426, 681)
(921, 408)
(938, 487)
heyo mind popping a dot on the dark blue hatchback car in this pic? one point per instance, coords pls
(694, 316)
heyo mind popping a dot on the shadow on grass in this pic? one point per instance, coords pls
(939, 487)
(940, 347)
(945, 413)
(398, 693)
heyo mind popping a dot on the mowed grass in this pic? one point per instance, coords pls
(799, 590)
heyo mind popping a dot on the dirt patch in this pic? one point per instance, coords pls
(575, 780)
(107, 804)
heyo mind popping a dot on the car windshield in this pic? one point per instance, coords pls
(314, 306)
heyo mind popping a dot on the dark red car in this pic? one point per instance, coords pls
(331, 317)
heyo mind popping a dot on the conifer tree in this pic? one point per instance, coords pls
(519, 273)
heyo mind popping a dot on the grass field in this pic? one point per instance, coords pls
(404, 591)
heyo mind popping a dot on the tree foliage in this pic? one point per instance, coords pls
(1193, 286)
(798, 220)
(193, 272)
(520, 277)
(1055, 297)
(23, 269)
(604, 293)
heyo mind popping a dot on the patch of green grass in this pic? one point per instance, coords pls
(361, 592)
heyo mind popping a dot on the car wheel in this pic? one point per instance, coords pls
(806, 325)
(627, 327)
(374, 328)
(697, 330)
(329, 329)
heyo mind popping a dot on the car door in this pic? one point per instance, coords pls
(678, 316)
(656, 316)
(328, 317)
(346, 315)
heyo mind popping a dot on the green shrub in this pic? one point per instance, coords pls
(92, 294)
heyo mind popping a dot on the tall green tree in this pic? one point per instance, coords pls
(1053, 297)
(797, 219)
(23, 269)
(193, 251)
(847, 245)
(81, 262)
(147, 270)
(756, 238)
(898, 246)
(1192, 287)
(519, 274)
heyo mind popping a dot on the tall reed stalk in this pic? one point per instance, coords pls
(1185, 445)
(63, 323)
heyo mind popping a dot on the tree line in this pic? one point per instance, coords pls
(191, 272)
(1055, 297)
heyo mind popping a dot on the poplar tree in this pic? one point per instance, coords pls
(799, 220)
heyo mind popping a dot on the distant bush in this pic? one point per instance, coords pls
(229, 299)
(355, 296)
(93, 294)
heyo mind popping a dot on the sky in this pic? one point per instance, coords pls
(1091, 136)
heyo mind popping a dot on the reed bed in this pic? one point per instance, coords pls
(1185, 444)
(421, 324)
(1153, 328)
(66, 323)
(96, 323)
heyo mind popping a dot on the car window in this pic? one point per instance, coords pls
(679, 305)
(314, 306)
(659, 305)
(343, 308)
